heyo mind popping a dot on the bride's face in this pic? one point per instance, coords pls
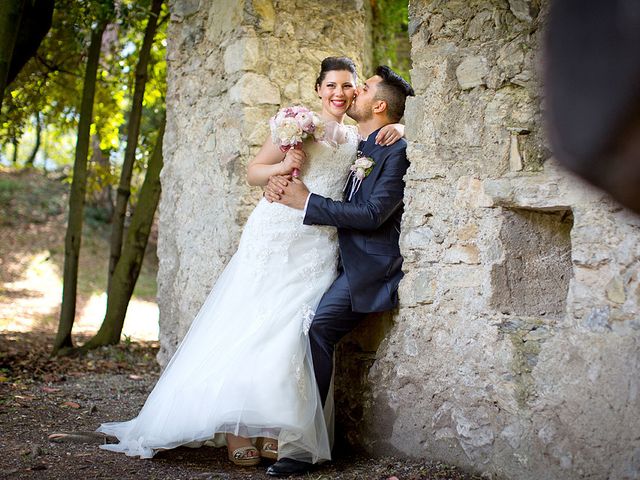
(337, 92)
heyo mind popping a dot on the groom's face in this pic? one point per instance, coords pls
(361, 108)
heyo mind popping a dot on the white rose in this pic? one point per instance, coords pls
(289, 132)
(363, 163)
(305, 120)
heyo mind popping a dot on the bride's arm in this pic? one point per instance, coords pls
(390, 134)
(269, 161)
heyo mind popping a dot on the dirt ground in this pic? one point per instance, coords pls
(40, 396)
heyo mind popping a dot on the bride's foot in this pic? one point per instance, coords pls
(268, 448)
(241, 451)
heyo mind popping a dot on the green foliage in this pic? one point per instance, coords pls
(51, 84)
(391, 44)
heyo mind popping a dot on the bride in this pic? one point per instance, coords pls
(242, 376)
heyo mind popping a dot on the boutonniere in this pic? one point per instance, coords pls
(361, 167)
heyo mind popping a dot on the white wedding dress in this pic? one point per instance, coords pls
(244, 367)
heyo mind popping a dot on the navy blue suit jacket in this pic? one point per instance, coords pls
(369, 228)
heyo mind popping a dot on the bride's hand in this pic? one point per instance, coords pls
(390, 134)
(293, 159)
(275, 187)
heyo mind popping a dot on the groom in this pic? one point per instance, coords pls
(368, 222)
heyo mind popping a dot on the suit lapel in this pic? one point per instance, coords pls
(369, 149)
(362, 145)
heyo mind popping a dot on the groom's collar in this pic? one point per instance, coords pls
(374, 123)
(369, 140)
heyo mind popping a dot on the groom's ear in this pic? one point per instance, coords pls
(380, 107)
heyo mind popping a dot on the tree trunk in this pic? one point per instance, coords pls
(133, 129)
(10, 14)
(45, 152)
(14, 154)
(36, 147)
(128, 267)
(35, 23)
(76, 198)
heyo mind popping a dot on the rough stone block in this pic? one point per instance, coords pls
(533, 278)
(521, 10)
(243, 54)
(255, 127)
(471, 192)
(253, 89)
(615, 290)
(468, 254)
(222, 18)
(472, 72)
(180, 9)
(418, 287)
(266, 13)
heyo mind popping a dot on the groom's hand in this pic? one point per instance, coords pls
(275, 187)
(294, 193)
(286, 190)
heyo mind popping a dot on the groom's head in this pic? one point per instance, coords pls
(382, 96)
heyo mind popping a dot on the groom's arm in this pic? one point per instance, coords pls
(385, 198)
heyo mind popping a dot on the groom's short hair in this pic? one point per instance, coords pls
(394, 90)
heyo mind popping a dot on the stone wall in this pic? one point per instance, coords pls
(516, 348)
(231, 64)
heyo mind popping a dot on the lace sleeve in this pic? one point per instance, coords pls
(273, 130)
(338, 133)
(352, 129)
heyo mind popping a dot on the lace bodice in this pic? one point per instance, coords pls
(328, 162)
(324, 173)
(277, 230)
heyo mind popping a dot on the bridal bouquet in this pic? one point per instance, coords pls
(291, 125)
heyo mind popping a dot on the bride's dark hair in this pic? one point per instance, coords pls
(335, 63)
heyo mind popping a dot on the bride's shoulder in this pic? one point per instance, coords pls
(352, 129)
(351, 134)
(339, 133)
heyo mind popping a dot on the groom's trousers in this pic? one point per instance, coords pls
(332, 321)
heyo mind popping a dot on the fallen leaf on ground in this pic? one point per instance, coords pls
(71, 404)
(28, 398)
(78, 437)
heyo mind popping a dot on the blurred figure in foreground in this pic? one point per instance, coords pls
(592, 90)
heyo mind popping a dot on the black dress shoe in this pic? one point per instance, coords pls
(288, 466)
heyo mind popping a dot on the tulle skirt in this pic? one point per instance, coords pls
(245, 367)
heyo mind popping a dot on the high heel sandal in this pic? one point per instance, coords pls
(268, 448)
(240, 456)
